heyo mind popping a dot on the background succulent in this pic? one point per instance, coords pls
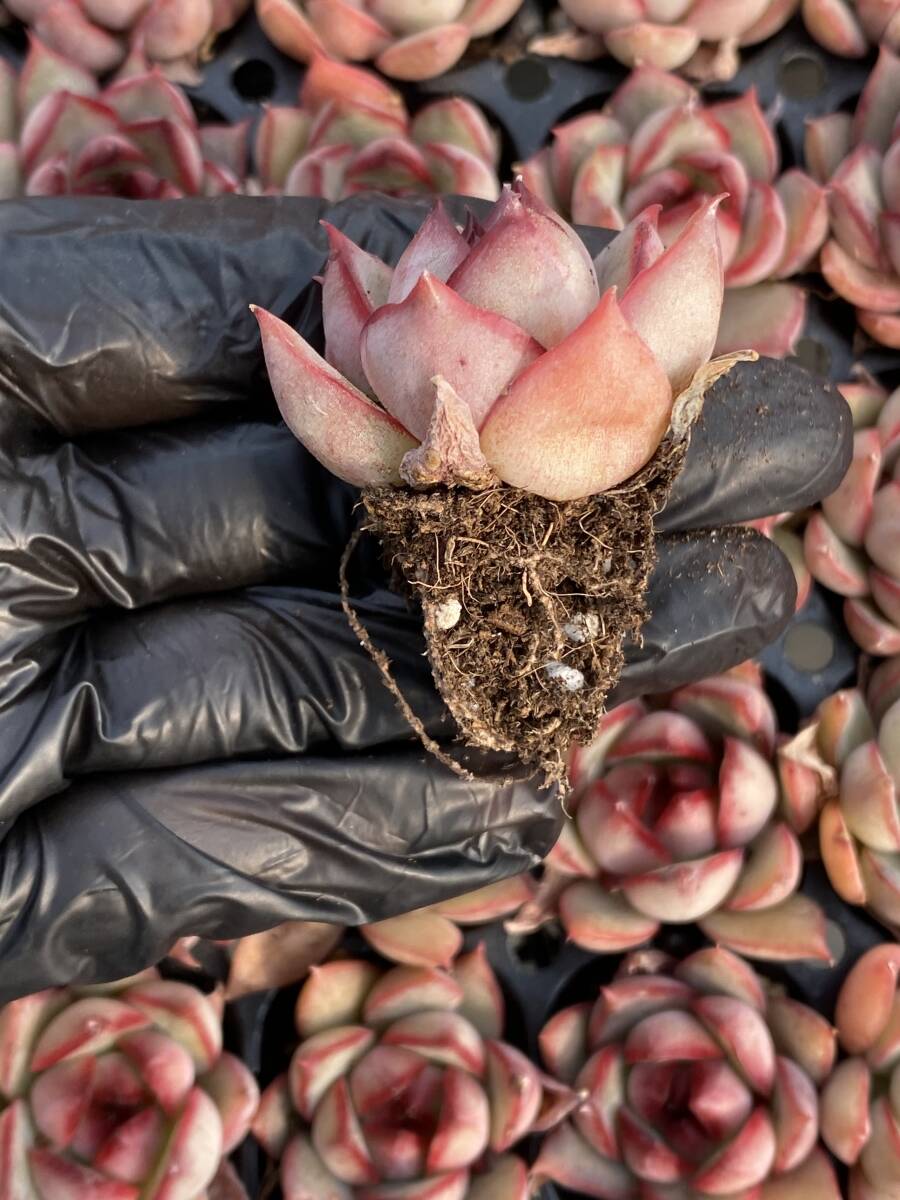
(858, 157)
(352, 132)
(412, 41)
(97, 34)
(851, 27)
(400, 1086)
(700, 37)
(861, 1100)
(677, 819)
(852, 545)
(655, 143)
(118, 1093)
(695, 1079)
(138, 138)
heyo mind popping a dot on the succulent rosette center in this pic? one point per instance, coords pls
(498, 383)
(401, 1087)
(685, 1089)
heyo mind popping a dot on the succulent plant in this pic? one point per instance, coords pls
(98, 34)
(119, 1093)
(137, 138)
(400, 1087)
(860, 1110)
(700, 37)
(852, 544)
(353, 132)
(851, 27)
(517, 391)
(676, 819)
(858, 158)
(846, 763)
(696, 1079)
(407, 41)
(656, 148)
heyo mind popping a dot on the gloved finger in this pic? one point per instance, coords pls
(150, 514)
(273, 671)
(771, 438)
(229, 849)
(715, 600)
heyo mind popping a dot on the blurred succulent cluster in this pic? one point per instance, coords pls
(137, 138)
(411, 41)
(700, 37)
(99, 34)
(656, 148)
(352, 133)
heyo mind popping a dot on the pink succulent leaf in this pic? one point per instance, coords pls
(175, 29)
(793, 929)
(881, 327)
(354, 285)
(715, 20)
(664, 46)
(545, 449)
(484, 17)
(687, 281)
(150, 97)
(425, 55)
(647, 90)
(434, 331)
(227, 146)
(670, 133)
(555, 296)
(327, 80)
(458, 122)
(763, 238)
(598, 186)
(320, 173)
(827, 143)
(62, 123)
(347, 30)
(633, 251)
(879, 104)
(855, 204)
(421, 938)
(806, 210)
(392, 165)
(750, 135)
(350, 435)
(281, 138)
(172, 149)
(574, 142)
(44, 71)
(457, 171)
(438, 247)
(834, 25)
(285, 25)
(768, 318)
(63, 26)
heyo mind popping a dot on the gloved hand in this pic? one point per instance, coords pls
(191, 740)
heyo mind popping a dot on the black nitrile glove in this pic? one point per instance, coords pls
(191, 740)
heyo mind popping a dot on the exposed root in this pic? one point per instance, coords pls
(527, 602)
(383, 663)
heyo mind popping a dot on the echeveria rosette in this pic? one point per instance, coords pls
(851, 27)
(852, 543)
(860, 1110)
(700, 37)
(411, 41)
(656, 148)
(352, 132)
(138, 138)
(676, 819)
(858, 158)
(401, 1088)
(457, 365)
(119, 1093)
(696, 1080)
(98, 34)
